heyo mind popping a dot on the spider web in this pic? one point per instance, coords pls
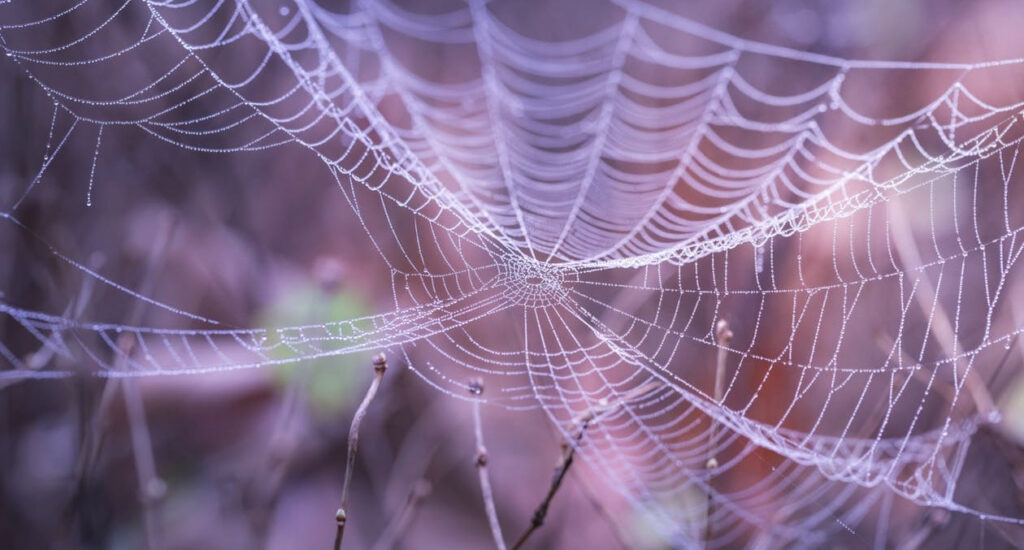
(610, 196)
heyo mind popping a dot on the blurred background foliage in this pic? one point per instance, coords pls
(333, 384)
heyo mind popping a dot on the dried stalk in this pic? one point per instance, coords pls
(396, 528)
(151, 488)
(380, 364)
(265, 487)
(564, 463)
(722, 336)
(934, 521)
(476, 388)
(595, 502)
(927, 301)
(583, 422)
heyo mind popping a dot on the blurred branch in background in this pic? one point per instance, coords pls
(724, 337)
(561, 470)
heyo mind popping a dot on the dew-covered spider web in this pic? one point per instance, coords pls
(570, 209)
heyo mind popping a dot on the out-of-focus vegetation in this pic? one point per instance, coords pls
(332, 384)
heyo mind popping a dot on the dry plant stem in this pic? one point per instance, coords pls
(395, 528)
(151, 487)
(477, 388)
(886, 343)
(380, 365)
(609, 519)
(417, 452)
(568, 454)
(927, 301)
(583, 422)
(46, 352)
(934, 521)
(266, 486)
(723, 336)
(89, 420)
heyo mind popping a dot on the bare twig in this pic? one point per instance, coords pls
(89, 419)
(934, 521)
(47, 350)
(564, 463)
(886, 343)
(151, 487)
(605, 406)
(928, 303)
(568, 455)
(393, 532)
(609, 519)
(265, 487)
(723, 335)
(476, 387)
(380, 364)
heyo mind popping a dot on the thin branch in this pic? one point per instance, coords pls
(723, 335)
(380, 364)
(583, 422)
(928, 302)
(568, 454)
(933, 521)
(266, 485)
(89, 420)
(886, 343)
(604, 407)
(476, 388)
(38, 359)
(396, 528)
(616, 529)
(151, 488)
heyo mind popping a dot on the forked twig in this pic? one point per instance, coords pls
(935, 520)
(569, 454)
(476, 387)
(621, 537)
(928, 302)
(723, 335)
(380, 364)
(396, 527)
(564, 463)
(266, 484)
(151, 488)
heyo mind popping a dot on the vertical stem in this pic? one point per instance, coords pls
(568, 455)
(613, 525)
(722, 336)
(476, 388)
(380, 364)
(151, 487)
(941, 328)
